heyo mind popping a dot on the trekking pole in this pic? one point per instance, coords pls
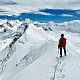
(68, 52)
(58, 50)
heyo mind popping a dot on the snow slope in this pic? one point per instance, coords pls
(35, 55)
(51, 67)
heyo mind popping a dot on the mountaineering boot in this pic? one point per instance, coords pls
(60, 55)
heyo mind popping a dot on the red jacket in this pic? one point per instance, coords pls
(62, 42)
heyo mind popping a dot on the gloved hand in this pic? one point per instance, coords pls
(58, 46)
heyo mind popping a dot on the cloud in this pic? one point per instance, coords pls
(78, 11)
(42, 13)
(66, 15)
(1, 10)
(20, 6)
(7, 2)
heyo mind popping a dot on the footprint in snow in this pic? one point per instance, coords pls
(58, 78)
(63, 76)
(62, 65)
(57, 59)
(78, 66)
(59, 70)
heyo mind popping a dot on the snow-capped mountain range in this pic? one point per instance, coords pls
(72, 26)
(28, 50)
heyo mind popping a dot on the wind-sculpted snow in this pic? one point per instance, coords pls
(5, 55)
(9, 48)
(33, 55)
(46, 51)
(23, 37)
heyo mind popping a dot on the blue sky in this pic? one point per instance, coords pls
(56, 15)
(40, 10)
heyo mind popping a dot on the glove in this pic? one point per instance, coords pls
(58, 46)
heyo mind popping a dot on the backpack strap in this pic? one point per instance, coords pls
(60, 41)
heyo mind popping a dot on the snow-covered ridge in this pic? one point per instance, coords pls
(32, 44)
(30, 37)
(7, 47)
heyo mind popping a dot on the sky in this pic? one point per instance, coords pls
(40, 10)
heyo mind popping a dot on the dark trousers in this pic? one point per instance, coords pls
(61, 51)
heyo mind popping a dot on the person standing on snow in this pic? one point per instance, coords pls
(62, 44)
